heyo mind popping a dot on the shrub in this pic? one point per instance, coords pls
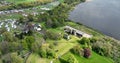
(102, 48)
(12, 58)
(0, 53)
(30, 40)
(71, 59)
(93, 40)
(36, 47)
(87, 52)
(50, 53)
(52, 35)
(8, 36)
(43, 53)
(84, 40)
(55, 43)
(51, 46)
(77, 50)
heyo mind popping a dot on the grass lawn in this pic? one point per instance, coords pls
(19, 1)
(0, 61)
(63, 47)
(35, 58)
(95, 58)
(23, 1)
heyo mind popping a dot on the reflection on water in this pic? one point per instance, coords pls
(103, 15)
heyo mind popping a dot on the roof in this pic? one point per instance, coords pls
(79, 32)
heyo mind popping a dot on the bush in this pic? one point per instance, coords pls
(46, 53)
(4, 47)
(77, 50)
(55, 43)
(102, 48)
(52, 35)
(30, 40)
(36, 46)
(12, 58)
(51, 46)
(8, 36)
(93, 40)
(84, 41)
(43, 53)
(87, 53)
(0, 53)
(71, 59)
(50, 53)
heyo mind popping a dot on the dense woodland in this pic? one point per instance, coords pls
(16, 47)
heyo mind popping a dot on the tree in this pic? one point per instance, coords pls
(14, 46)
(8, 36)
(1, 38)
(52, 35)
(43, 53)
(21, 20)
(55, 23)
(87, 52)
(12, 58)
(30, 17)
(24, 45)
(84, 40)
(30, 40)
(2, 30)
(0, 53)
(77, 50)
(4, 47)
(50, 53)
(102, 48)
(93, 40)
(51, 46)
(36, 46)
(49, 23)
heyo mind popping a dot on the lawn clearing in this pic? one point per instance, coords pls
(95, 58)
(35, 58)
(19, 1)
(25, 1)
(0, 61)
(63, 47)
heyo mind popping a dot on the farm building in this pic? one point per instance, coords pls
(76, 32)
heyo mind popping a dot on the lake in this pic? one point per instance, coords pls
(102, 15)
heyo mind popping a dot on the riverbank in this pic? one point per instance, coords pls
(102, 37)
(99, 17)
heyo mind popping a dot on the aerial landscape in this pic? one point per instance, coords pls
(59, 31)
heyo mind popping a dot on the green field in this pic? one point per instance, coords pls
(95, 58)
(35, 58)
(63, 47)
(0, 61)
(19, 1)
(25, 1)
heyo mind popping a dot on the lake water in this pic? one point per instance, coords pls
(102, 15)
